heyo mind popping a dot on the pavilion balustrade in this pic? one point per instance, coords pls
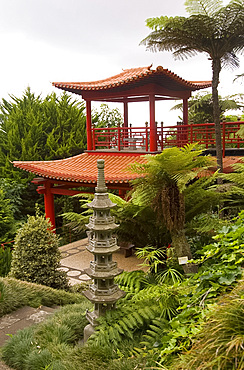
(138, 138)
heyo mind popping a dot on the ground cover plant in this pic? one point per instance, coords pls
(220, 343)
(16, 293)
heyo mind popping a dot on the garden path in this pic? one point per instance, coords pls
(75, 258)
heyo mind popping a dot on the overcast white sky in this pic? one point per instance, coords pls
(83, 40)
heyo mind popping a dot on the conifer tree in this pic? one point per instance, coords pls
(32, 128)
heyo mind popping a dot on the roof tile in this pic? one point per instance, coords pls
(83, 167)
(132, 75)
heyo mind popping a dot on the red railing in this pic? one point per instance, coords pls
(138, 138)
(121, 138)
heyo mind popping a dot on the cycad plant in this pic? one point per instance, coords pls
(162, 185)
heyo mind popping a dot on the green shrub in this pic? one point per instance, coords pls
(7, 223)
(36, 257)
(5, 260)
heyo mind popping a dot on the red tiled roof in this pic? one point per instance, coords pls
(132, 75)
(83, 168)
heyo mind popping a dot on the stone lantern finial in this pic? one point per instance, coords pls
(101, 186)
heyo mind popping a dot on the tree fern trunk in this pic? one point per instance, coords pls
(182, 249)
(216, 68)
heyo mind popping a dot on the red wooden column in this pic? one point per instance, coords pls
(88, 125)
(185, 111)
(125, 113)
(49, 203)
(153, 128)
(184, 132)
(125, 126)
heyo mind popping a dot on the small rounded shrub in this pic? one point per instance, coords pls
(36, 257)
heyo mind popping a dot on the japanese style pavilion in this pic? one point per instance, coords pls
(121, 146)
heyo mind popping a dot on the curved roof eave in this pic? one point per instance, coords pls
(134, 77)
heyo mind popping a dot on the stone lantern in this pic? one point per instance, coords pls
(102, 243)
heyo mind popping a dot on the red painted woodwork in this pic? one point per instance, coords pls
(185, 111)
(125, 114)
(153, 128)
(49, 204)
(135, 81)
(88, 124)
(166, 136)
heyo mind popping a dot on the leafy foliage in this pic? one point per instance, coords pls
(36, 257)
(219, 345)
(135, 313)
(137, 223)
(36, 128)
(222, 260)
(210, 28)
(201, 107)
(7, 224)
(107, 117)
(234, 184)
(5, 260)
(157, 321)
(39, 129)
(164, 181)
(55, 345)
(13, 192)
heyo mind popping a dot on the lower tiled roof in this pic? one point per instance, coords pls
(83, 167)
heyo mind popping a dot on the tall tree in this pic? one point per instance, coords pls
(211, 28)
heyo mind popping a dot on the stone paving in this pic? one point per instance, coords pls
(75, 258)
(20, 319)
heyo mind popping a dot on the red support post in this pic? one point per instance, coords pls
(125, 113)
(49, 203)
(185, 111)
(88, 125)
(162, 136)
(146, 125)
(223, 139)
(153, 129)
(119, 139)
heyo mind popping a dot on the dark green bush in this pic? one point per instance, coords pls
(5, 260)
(36, 257)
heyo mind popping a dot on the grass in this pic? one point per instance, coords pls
(55, 345)
(15, 294)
